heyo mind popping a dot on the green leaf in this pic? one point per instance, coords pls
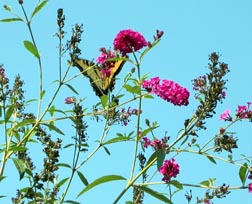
(31, 48)
(176, 183)
(132, 89)
(104, 100)
(106, 150)
(67, 146)
(117, 139)
(82, 178)
(72, 202)
(71, 88)
(208, 183)
(242, 173)
(25, 122)
(20, 165)
(7, 20)
(64, 165)
(146, 131)
(155, 194)
(160, 157)
(17, 148)
(38, 8)
(101, 180)
(54, 128)
(9, 113)
(211, 159)
(152, 157)
(62, 182)
(42, 93)
(53, 110)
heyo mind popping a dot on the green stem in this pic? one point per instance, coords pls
(28, 23)
(138, 121)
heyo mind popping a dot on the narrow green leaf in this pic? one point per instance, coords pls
(7, 20)
(67, 146)
(146, 131)
(211, 159)
(54, 128)
(62, 182)
(25, 122)
(152, 157)
(38, 8)
(72, 202)
(71, 88)
(9, 113)
(106, 150)
(101, 180)
(117, 139)
(82, 178)
(64, 165)
(31, 48)
(53, 110)
(29, 172)
(176, 183)
(155, 194)
(160, 157)
(129, 202)
(242, 173)
(20, 167)
(17, 149)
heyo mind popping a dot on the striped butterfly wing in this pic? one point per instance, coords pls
(93, 72)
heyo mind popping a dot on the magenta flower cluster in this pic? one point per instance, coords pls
(127, 41)
(106, 66)
(169, 169)
(156, 143)
(167, 90)
(225, 115)
(242, 112)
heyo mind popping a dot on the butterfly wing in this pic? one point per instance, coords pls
(92, 71)
(114, 72)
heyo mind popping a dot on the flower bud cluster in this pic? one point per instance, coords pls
(210, 89)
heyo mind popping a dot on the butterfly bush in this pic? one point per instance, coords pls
(127, 41)
(167, 90)
(22, 127)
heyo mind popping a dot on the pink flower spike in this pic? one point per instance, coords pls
(250, 188)
(225, 115)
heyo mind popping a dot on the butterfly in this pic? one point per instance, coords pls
(102, 86)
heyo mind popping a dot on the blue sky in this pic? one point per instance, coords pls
(192, 30)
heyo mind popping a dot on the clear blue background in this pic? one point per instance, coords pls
(193, 29)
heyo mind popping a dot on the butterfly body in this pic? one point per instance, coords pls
(101, 85)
